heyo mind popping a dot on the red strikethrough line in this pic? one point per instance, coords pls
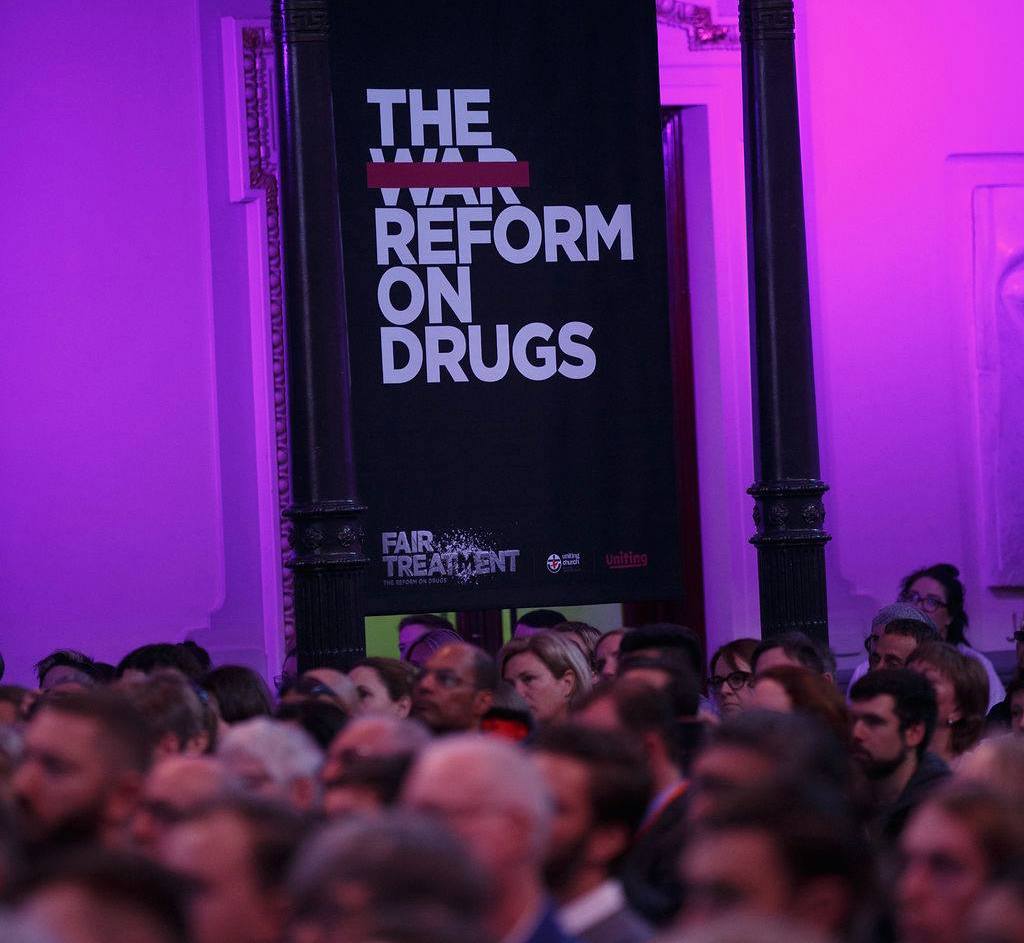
(449, 176)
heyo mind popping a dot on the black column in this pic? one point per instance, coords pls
(788, 509)
(325, 514)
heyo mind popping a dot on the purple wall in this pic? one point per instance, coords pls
(138, 437)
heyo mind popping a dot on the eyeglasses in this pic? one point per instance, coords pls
(445, 677)
(735, 680)
(927, 603)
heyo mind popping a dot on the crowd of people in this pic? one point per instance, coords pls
(608, 787)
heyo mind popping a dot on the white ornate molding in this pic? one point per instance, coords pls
(254, 172)
(703, 31)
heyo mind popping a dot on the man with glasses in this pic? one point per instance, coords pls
(455, 688)
(898, 642)
(885, 615)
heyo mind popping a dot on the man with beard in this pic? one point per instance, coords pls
(86, 756)
(600, 787)
(455, 688)
(892, 714)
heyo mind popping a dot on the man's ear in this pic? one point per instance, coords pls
(483, 702)
(913, 734)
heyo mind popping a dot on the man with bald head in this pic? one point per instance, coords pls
(455, 689)
(492, 796)
(177, 787)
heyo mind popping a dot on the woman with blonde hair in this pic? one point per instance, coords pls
(548, 671)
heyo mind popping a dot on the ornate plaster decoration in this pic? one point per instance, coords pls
(264, 174)
(702, 32)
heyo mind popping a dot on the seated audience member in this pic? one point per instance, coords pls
(885, 615)
(953, 846)
(657, 637)
(606, 654)
(794, 649)
(366, 785)
(85, 758)
(786, 850)
(600, 788)
(412, 628)
(757, 747)
(66, 668)
(455, 688)
(939, 594)
(961, 694)
(731, 676)
(537, 620)
(998, 914)
(745, 929)
(275, 761)
(424, 648)
(581, 634)
(335, 686)
(798, 690)
(548, 671)
(645, 715)
(12, 696)
(323, 720)
(96, 896)
(359, 879)
(670, 672)
(237, 853)
(383, 686)
(899, 639)
(143, 661)
(372, 736)
(998, 764)
(171, 706)
(892, 715)
(492, 796)
(238, 693)
(175, 788)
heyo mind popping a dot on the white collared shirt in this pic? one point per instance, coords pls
(580, 915)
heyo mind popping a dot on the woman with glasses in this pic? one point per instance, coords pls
(937, 592)
(731, 676)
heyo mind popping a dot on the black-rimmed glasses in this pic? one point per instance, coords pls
(735, 680)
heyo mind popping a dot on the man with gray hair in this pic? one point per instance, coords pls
(274, 760)
(493, 797)
(885, 615)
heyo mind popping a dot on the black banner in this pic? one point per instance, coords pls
(502, 204)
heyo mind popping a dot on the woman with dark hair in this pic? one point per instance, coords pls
(938, 593)
(239, 693)
(731, 675)
(961, 694)
(384, 686)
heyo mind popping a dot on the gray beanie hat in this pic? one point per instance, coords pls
(901, 610)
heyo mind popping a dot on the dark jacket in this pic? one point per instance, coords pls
(930, 773)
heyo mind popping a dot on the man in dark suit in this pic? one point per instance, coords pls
(600, 788)
(646, 714)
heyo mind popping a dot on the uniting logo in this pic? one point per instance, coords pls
(625, 560)
(561, 562)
